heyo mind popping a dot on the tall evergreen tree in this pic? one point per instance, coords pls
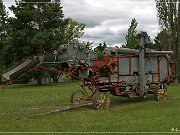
(168, 12)
(161, 41)
(131, 40)
(3, 21)
(33, 29)
(39, 27)
(3, 33)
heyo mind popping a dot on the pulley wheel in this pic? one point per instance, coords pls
(78, 97)
(160, 92)
(100, 101)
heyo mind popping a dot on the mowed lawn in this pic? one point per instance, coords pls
(18, 103)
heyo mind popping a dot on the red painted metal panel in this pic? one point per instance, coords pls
(117, 89)
(107, 60)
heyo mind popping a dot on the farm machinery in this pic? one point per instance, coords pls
(120, 71)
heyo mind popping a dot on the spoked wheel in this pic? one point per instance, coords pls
(100, 101)
(160, 92)
(78, 97)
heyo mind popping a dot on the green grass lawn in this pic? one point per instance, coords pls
(18, 103)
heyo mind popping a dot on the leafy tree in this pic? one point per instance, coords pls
(3, 21)
(168, 12)
(131, 40)
(100, 48)
(73, 30)
(161, 41)
(156, 44)
(3, 33)
(3, 25)
(39, 27)
(34, 25)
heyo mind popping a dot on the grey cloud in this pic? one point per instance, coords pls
(152, 30)
(91, 15)
(108, 20)
(90, 22)
(109, 37)
(115, 15)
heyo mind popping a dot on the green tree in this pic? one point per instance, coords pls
(131, 40)
(156, 44)
(168, 12)
(100, 48)
(161, 41)
(34, 25)
(3, 25)
(73, 30)
(39, 27)
(3, 21)
(3, 34)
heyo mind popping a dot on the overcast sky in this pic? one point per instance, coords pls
(108, 20)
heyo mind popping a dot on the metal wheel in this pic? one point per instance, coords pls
(78, 97)
(100, 101)
(160, 92)
(145, 95)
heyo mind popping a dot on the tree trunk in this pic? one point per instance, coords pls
(39, 80)
(55, 79)
(178, 44)
(177, 68)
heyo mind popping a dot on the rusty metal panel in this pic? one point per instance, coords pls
(149, 78)
(163, 68)
(134, 65)
(114, 77)
(16, 69)
(151, 65)
(75, 54)
(83, 74)
(124, 66)
(156, 77)
(103, 79)
(129, 79)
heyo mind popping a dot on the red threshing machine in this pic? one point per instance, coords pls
(120, 72)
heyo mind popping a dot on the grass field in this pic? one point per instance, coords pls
(18, 103)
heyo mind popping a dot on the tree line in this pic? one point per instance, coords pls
(36, 27)
(39, 27)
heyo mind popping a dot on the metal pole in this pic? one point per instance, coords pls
(143, 92)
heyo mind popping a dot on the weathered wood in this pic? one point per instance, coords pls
(71, 106)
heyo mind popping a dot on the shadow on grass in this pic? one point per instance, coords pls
(19, 85)
(24, 86)
(117, 101)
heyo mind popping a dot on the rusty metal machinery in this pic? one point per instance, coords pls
(129, 72)
(120, 72)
